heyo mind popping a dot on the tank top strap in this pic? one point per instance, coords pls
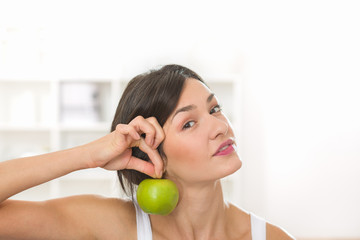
(143, 225)
(258, 227)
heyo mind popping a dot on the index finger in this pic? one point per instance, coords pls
(159, 132)
(154, 156)
(144, 126)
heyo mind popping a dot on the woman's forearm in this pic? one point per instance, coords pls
(20, 174)
(112, 152)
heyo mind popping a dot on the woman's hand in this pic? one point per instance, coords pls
(113, 151)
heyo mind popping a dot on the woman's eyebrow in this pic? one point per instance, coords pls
(210, 97)
(192, 107)
(184, 109)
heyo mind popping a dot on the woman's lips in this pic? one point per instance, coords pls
(225, 148)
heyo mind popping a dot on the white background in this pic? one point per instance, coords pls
(299, 62)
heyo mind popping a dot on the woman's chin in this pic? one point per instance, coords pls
(232, 168)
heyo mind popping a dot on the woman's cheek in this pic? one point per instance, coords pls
(179, 150)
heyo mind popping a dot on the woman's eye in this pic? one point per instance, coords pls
(188, 124)
(215, 109)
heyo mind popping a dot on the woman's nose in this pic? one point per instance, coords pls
(218, 127)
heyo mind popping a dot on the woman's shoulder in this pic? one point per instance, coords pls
(272, 231)
(106, 217)
(238, 213)
(76, 217)
(97, 203)
(239, 222)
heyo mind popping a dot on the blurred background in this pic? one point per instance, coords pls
(287, 73)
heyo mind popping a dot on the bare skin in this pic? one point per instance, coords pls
(201, 213)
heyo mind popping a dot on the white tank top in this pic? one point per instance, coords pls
(144, 232)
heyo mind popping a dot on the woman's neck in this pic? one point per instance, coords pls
(201, 211)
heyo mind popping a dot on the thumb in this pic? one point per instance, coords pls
(142, 166)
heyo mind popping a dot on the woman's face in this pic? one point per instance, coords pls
(199, 142)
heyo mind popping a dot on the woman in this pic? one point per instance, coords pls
(168, 124)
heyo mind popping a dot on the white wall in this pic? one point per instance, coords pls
(301, 115)
(299, 62)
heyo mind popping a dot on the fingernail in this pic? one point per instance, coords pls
(159, 174)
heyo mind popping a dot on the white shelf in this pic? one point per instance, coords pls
(40, 78)
(86, 80)
(91, 174)
(86, 127)
(24, 128)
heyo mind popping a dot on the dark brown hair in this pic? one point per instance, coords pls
(152, 94)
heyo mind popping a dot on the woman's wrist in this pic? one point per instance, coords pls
(85, 157)
(93, 153)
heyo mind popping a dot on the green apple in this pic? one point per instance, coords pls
(157, 196)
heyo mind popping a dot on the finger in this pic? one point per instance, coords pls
(128, 130)
(159, 132)
(154, 156)
(143, 126)
(142, 166)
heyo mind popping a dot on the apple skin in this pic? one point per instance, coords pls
(157, 196)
